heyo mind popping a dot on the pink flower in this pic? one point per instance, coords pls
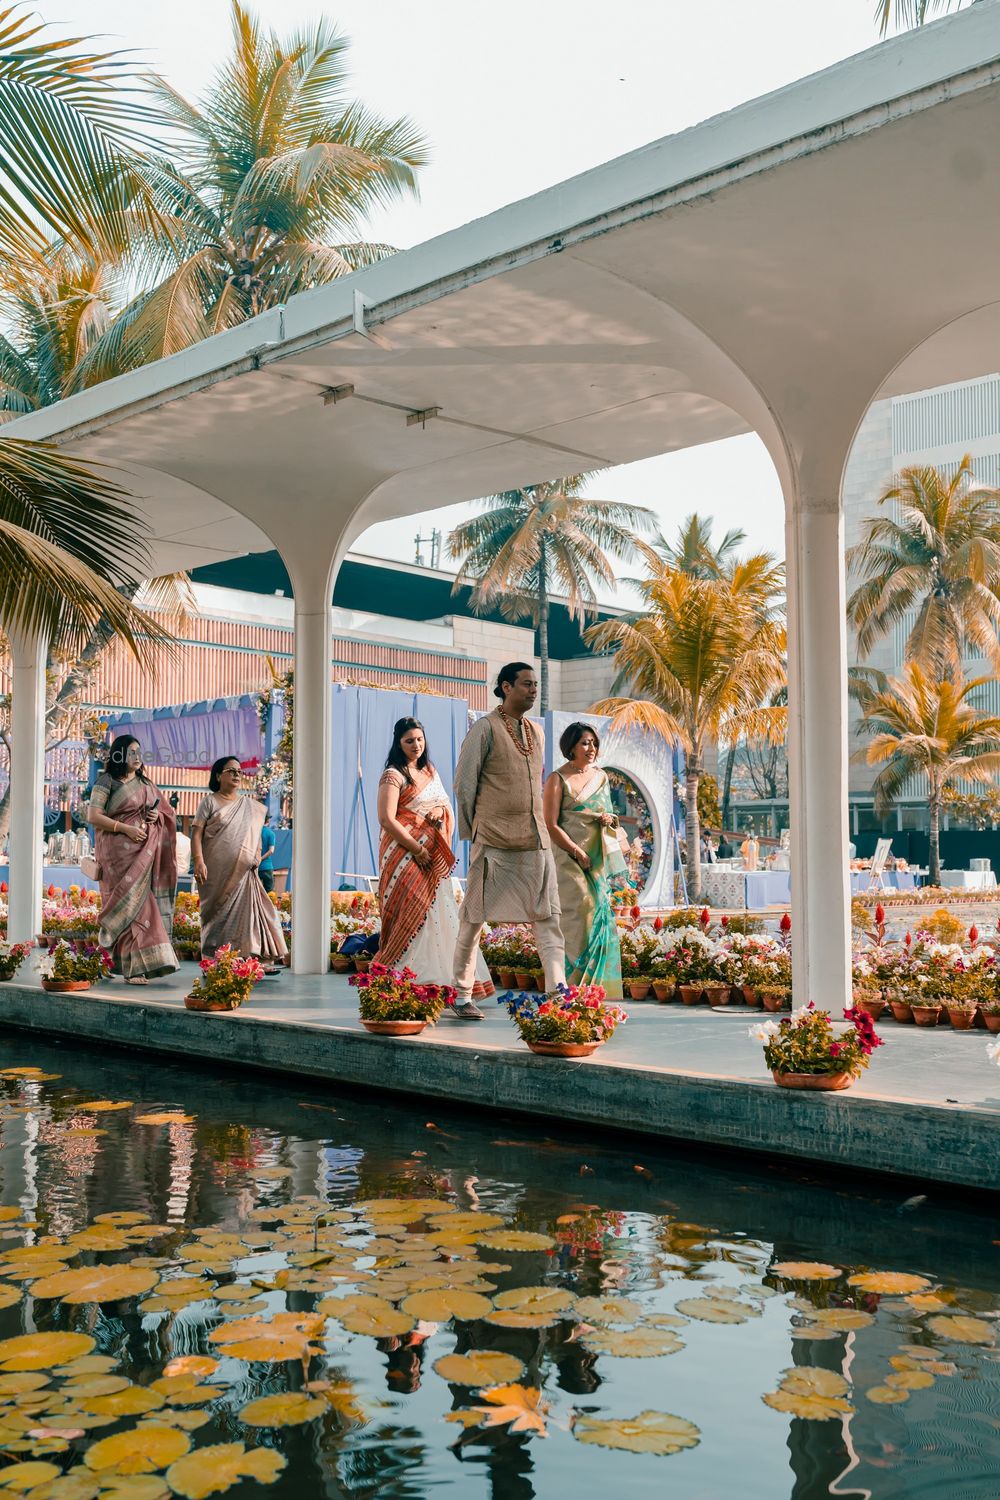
(834, 1049)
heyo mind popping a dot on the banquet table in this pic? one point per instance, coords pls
(970, 880)
(728, 889)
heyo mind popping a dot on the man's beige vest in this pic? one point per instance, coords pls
(509, 803)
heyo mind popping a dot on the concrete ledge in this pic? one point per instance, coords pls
(939, 1142)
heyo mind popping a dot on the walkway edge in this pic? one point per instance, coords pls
(943, 1143)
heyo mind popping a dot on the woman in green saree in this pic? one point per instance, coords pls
(579, 816)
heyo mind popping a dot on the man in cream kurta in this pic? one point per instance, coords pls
(498, 793)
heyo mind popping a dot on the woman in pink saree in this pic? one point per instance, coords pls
(137, 855)
(225, 852)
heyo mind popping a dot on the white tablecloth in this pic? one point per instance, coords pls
(970, 880)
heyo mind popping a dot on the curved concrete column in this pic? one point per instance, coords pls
(818, 755)
(312, 772)
(27, 786)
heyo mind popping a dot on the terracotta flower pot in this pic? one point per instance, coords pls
(828, 1082)
(341, 963)
(663, 989)
(718, 994)
(992, 1022)
(202, 1002)
(639, 989)
(926, 1015)
(524, 979)
(362, 963)
(66, 986)
(750, 995)
(961, 1020)
(564, 1049)
(494, 974)
(873, 1008)
(771, 1002)
(394, 1028)
(508, 979)
(691, 993)
(902, 1010)
(980, 1019)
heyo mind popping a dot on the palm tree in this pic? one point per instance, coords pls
(56, 310)
(939, 555)
(701, 665)
(69, 138)
(275, 172)
(694, 551)
(542, 538)
(906, 13)
(72, 552)
(920, 725)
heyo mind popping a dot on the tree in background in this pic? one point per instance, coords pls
(694, 551)
(544, 539)
(700, 665)
(921, 725)
(906, 13)
(264, 196)
(938, 555)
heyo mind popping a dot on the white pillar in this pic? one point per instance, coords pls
(27, 786)
(311, 777)
(817, 755)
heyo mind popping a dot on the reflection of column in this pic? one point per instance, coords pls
(27, 786)
(822, 1454)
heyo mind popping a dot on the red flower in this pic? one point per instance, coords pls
(725, 921)
(907, 940)
(3, 887)
(834, 1049)
(706, 916)
(973, 933)
(786, 923)
(636, 912)
(880, 914)
(657, 921)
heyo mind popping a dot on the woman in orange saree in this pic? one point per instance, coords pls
(136, 849)
(416, 899)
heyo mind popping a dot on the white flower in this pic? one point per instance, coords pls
(764, 1031)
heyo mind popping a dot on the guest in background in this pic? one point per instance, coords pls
(578, 813)
(226, 846)
(725, 849)
(266, 867)
(135, 847)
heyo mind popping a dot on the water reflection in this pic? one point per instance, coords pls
(246, 1206)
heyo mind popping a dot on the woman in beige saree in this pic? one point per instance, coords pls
(135, 845)
(225, 851)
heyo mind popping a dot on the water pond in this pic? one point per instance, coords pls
(248, 1286)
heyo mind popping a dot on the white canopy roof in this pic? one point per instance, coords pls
(775, 268)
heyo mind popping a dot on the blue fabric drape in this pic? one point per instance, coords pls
(361, 726)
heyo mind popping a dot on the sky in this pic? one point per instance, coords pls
(512, 99)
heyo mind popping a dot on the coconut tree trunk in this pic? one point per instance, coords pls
(543, 627)
(934, 852)
(692, 776)
(727, 787)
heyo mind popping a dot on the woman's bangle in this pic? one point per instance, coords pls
(117, 829)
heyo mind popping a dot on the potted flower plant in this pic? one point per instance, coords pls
(640, 954)
(990, 1012)
(573, 1021)
(391, 1003)
(866, 994)
(226, 981)
(804, 1052)
(74, 965)
(12, 956)
(691, 961)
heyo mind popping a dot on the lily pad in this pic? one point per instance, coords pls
(650, 1432)
(212, 1470)
(480, 1367)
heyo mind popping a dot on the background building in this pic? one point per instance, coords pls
(936, 427)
